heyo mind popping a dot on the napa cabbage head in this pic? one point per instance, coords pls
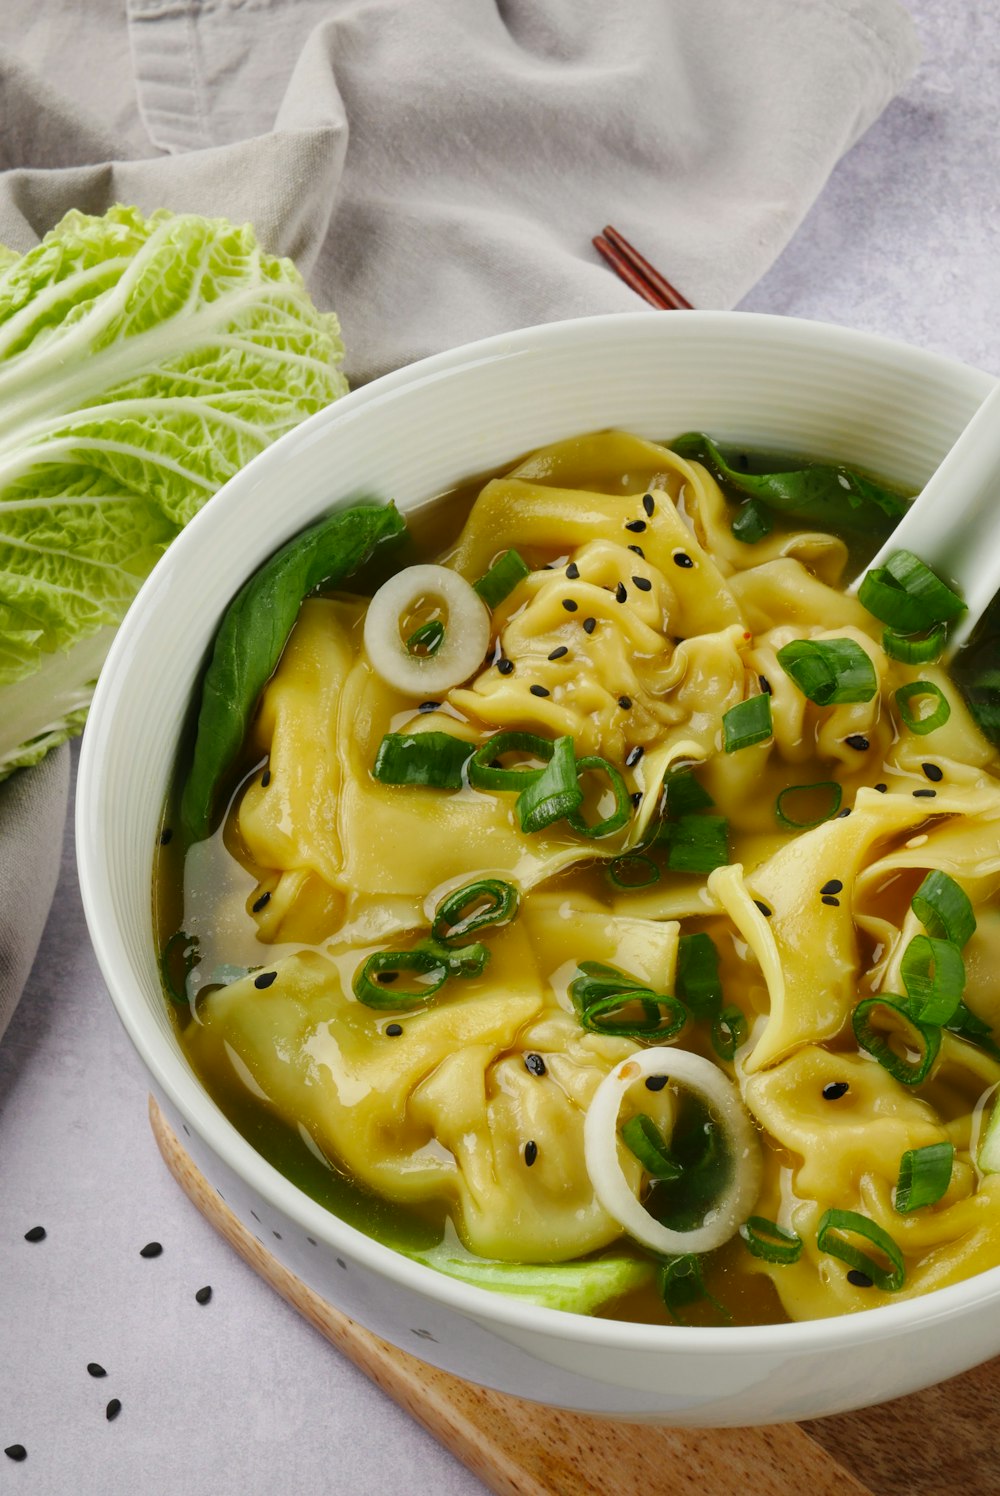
(143, 361)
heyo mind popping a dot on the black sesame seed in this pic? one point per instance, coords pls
(96, 1369)
(859, 1279)
(151, 1249)
(572, 571)
(265, 979)
(858, 742)
(636, 526)
(505, 667)
(648, 504)
(112, 1410)
(636, 798)
(428, 706)
(832, 885)
(638, 550)
(16, 1452)
(933, 772)
(530, 1153)
(681, 558)
(845, 812)
(394, 1030)
(881, 788)
(643, 584)
(633, 756)
(37, 1233)
(835, 1090)
(570, 605)
(558, 653)
(265, 779)
(924, 794)
(656, 1082)
(203, 1295)
(589, 625)
(765, 911)
(540, 691)
(165, 836)
(831, 899)
(620, 593)
(262, 902)
(625, 702)
(765, 684)
(535, 1064)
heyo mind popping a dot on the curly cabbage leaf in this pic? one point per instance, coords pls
(143, 361)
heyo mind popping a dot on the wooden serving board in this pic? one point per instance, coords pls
(939, 1441)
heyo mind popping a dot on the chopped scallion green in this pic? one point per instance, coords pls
(646, 1142)
(746, 723)
(698, 982)
(697, 844)
(729, 1031)
(923, 1040)
(830, 1238)
(921, 690)
(784, 808)
(501, 579)
(769, 1241)
(485, 771)
(829, 671)
(623, 805)
(924, 1176)
(634, 870)
(944, 909)
(905, 594)
(427, 639)
(486, 901)
(914, 649)
(434, 759)
(933, 974)
(553, 794)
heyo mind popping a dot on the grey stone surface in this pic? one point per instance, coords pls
(240, 1396)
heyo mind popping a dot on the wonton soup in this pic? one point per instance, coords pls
(594, 900)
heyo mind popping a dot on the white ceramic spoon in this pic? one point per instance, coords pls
(954, 523)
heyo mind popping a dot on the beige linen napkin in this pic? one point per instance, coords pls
(437, 167)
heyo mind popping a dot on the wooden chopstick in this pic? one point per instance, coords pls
(637, 272)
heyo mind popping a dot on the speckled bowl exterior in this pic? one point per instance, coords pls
(765, 381)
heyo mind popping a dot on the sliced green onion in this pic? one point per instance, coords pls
(879, 1044)
(421, 962)
(924, 1176)
(485, 775)
(623, 805)
(554, 793)
(921, 689)
(933, 974)
(914, 649)
(501, 579)
(698, 982)
(644, 1139)
(187, 947)
(746, 723)
(944, 909)
(429, 959)
(659, 1018)
(829, 1239)
(752, 523)
(968, 1026)
(769, 1241)
(601, 992)
(486, 901)
(435, 759)
(829, 671)
(729, 1031)
(635, 870)
(697, 844)
(906, 594)
(788, 818)
(681, 1283)
(427, 639)
(685, 795)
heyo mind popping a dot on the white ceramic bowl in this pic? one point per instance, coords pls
(770, 382)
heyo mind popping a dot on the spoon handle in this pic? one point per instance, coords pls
(954, 523)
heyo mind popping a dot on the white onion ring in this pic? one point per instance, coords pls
(466, 638)
(600, 1141)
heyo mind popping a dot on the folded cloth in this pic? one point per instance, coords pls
(437, 170)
